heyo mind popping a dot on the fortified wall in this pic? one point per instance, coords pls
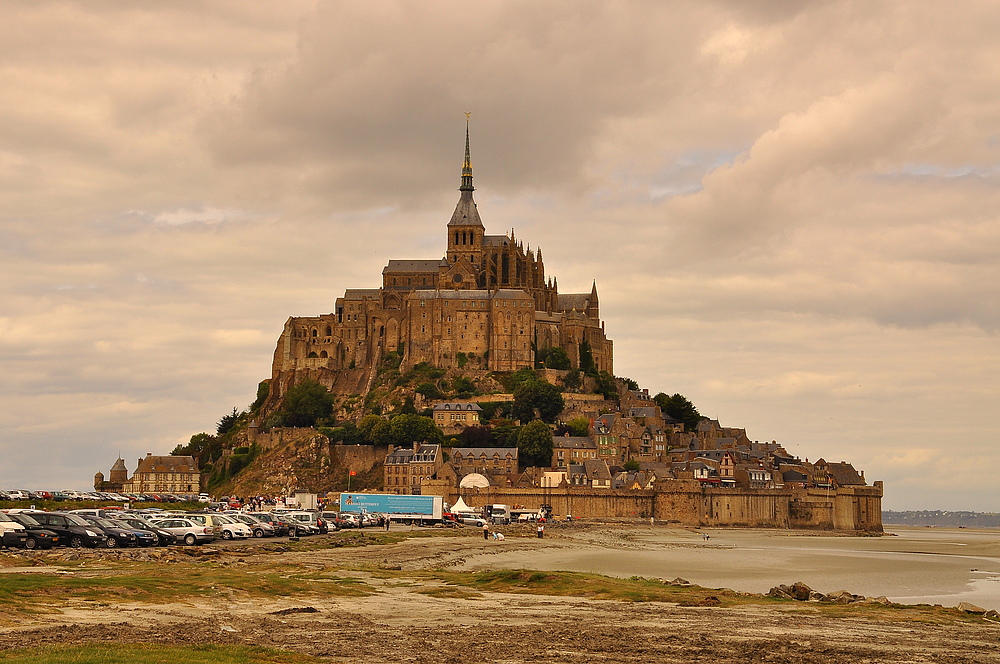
(688, 503)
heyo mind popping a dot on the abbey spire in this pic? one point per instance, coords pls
(467, 164)
(466, 230)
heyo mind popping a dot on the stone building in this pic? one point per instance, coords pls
(405, 469)
(486, 461)
(453, 417)
(485, 303)
(157, 474)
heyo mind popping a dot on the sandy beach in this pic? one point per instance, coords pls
(415, 619)
(908, 565)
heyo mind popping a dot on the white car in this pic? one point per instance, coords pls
(233, 529)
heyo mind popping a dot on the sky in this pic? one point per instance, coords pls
(791, 209)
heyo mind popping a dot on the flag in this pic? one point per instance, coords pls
(354, 472)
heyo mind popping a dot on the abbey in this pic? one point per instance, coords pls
(487, 302)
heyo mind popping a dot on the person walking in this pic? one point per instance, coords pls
(541, 530)
(486, 531)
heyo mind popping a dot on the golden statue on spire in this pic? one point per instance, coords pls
(468, 114)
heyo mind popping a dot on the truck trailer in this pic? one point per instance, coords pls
(424, 509)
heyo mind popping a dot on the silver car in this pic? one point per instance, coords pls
(186, 530)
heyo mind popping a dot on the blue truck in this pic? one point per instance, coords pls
(425, 509)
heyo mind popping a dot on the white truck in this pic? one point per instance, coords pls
(498, 514)
(399, 508)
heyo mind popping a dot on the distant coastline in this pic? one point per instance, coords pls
(942, 518)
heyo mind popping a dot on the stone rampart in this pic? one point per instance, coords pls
(688, 503)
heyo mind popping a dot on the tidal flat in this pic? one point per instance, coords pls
(451, 596)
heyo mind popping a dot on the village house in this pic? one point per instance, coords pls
(484, 460)
(572, 449)
(165, 474)
(405, 469)
(453, 417)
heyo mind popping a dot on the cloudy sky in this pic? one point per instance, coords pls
(790, 207)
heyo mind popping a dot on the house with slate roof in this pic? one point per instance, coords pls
(165, 474)
(453, 417)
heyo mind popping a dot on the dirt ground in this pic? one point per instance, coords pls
(431, 622)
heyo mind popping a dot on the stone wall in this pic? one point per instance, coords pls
(359, 458)
(686, 502)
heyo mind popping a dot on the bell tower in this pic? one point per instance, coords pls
(466, 230)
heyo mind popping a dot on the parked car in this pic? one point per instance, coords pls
(186, 530)
(12, 532)
(36, 536)
(279, 526)
(208, 520)
(295, 528)
(117, 536)
(233, 528)
(163, 537)
(348, 520)
(143, 535)
(73, 530)
(313, 519)
(98, 512)
(257, 527)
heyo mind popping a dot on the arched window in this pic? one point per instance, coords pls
(315, 332)
(329, 331)
(323, 353)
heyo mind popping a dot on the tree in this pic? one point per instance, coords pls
(557, 359)
(678, 407)
(518, 377)
(404, 430)
(263, 389)
(408, 408)
(587, 365)
(228, 422)
(572, 380)
(429, 390)
(475, 437)
(607, 386)
(579, 426)
(534, 444)
(305, 404)
(504, 434)
(537, 395)
(632, 465)
(629, 383)
(463, 387)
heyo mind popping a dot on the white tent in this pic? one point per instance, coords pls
(460, 506)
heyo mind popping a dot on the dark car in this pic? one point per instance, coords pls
(144, 535)
(37, 536)
(116, 535)
(280, 527)
(164, 537)
(73, 530)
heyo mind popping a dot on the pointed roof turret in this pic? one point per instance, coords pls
(466, 213)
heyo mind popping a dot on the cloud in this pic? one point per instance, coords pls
(789, 207)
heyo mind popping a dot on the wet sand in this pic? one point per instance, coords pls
(917, 565)
(424, 621)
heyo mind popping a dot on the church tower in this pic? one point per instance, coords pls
(466, 230)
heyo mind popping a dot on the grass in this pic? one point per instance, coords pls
(151, 583)
(144, 653)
